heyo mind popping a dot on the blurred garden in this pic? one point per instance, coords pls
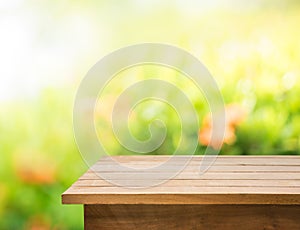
(47, 47)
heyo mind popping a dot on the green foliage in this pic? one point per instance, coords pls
(42, 131)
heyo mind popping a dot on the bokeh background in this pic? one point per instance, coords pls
(47, 47)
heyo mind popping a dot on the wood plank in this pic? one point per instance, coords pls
(190, 176)
(184, 190)
(160, 157)
(276, 199)
(268, 160)
(172, 217)
(195, 168)
(196, 183)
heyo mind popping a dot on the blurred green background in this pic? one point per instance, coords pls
(46, 48)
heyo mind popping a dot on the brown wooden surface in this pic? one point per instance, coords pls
(171, 217)
(230, 180)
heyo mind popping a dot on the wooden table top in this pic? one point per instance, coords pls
(230, 180)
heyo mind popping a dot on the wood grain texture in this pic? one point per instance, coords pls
(230, 180)
(171, 217)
